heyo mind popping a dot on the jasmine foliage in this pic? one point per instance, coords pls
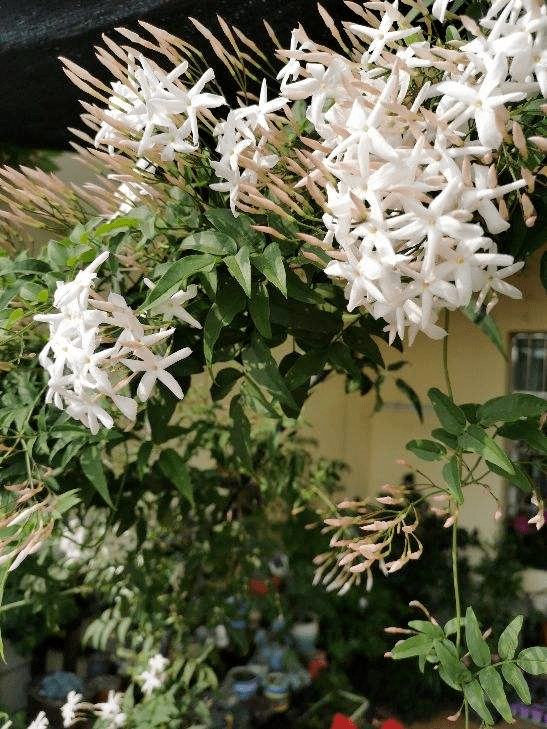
(483, 674)
(466, 662)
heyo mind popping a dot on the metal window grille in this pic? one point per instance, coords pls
(528, 373)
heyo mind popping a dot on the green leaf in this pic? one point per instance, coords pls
(259, 308)
(90, 461)
(229, 302)
(470, 410)
(224, 381)
(143, 458)
(159, 410)
(240, 268)
(513, 675)
(64, 502)
(509, 639)
(455, 670)
(518, 478)
(451, 475)
(475, 698)
(341, 358)
(271, 265)
(527, 431)
(427, 450)
(508, 408)
(451, 626)
(262, 369)
(210, 241)
(427, 628)
(175, 470)
(449, 440)
(417, 645)
(451, 417)
(475, 439)
(533, 660)
(176, 276)
(300, 290)
(237, 228)
(360, 340)
(307, 365)
(412, 396)
(487, 324)
(240, 435)
(492, 685)
(476, 645)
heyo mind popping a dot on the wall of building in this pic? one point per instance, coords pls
(371, 443)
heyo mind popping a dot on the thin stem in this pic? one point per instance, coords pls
(456, 583)
(445, 354)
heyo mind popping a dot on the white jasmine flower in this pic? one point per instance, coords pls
(174, 306)
(70, 707)
(154, 368)
(110, 710)
(40, 722)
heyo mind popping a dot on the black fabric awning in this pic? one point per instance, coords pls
(38, 102)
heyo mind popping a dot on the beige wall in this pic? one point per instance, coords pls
(370, 443)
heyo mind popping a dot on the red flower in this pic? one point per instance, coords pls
(341, 721)
(391, 724)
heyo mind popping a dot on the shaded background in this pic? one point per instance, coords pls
(38, 102)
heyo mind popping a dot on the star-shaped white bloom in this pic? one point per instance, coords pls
(154, 367)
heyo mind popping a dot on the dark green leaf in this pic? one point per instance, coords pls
(508, 408)
(455, 670)
(259, 307)
(175, 470)
(210, 241)
(470, 410)
(261, 367)
(300, 290)
(240, 435)
(159, 410)
(417, 645)
(514, 678)
(271, 264)
(487, 324)
(229, 302)
(26, 265)
(306, 366)
(475, 698)
(90, 461)
(451, 417)
(476, 645)
(527, 431)
(240, 268)
(509, 639)
(449, 440)
(492, 685)
(143, 458)
(533, 660)
(427, 450)
(405, 388)
(360, 340)
(518, 478)
(224, 381)
(341, 358)
(176, 276)
(475, 439)
(451, 475)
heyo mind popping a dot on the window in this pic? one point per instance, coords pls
(528, 374)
